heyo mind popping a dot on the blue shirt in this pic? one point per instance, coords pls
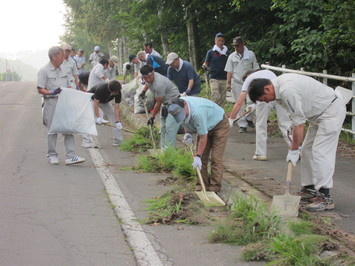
(217, 62)
(204, 115)
(182, 76)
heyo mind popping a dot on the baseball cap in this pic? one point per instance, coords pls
(171, 57)
(237, 40)
(114, 59)
(177, 112)
(219, 34)
(97, 48)
(66, 47)
(131, 57)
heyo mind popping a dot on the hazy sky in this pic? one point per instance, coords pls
(30, 25)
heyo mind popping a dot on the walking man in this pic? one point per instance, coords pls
(208, 120)
(216, 59)
(239, 62)
(50, 78)
(305, 98)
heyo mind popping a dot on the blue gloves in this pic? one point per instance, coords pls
(118, 125)
(197, 163)
(56, 91)
(187, 139)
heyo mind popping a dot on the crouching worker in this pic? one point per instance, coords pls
(103, 94)
(305, 98)
(208, 120)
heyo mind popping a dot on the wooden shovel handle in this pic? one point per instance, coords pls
(289, 176)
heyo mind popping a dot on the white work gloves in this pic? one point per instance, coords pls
(197, 163)
(118, 125)
(293, 156)
(187, 139)
(100, 121)
(232, 121)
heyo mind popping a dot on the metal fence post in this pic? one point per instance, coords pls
(353, 106)
(325, 80)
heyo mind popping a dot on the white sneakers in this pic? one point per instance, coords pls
(53, 160)
(258, 157)
(74, 160)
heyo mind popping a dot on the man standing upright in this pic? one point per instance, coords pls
(95, 57)
(80, 61)
(216, 59)
(50, 78)
(69, 65)
(238, 63)
(305, 98)
(183, 74)
(149, 50)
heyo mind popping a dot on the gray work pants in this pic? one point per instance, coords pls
(69, 143)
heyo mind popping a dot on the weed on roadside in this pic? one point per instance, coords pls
(249, 221)
(141, 140)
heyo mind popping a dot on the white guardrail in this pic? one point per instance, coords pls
(325, 77)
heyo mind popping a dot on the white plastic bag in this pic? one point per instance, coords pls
(74, 113)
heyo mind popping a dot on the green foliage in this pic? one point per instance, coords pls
(177, 161)
(249, 221)
(141, 140)
(302, 250)
(301, 227)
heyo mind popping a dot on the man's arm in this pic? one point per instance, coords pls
(229, 81)
(238, 104)
(297, 136)
(117, 112)
(158, 103)
(201, 144)
(43, 91)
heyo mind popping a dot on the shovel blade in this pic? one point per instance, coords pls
(286, 205)
(210, 199)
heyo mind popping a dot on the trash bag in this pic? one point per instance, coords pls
(129, 90)
(139, 104)
(74, 113)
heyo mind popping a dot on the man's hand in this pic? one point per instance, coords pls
(119, 125)
(100, 121)
(142, 95)
(232, 121)
(229, 88)
(197, 163)
(187, 139)
(56, 91)
(204, 67)
(150, 121)
(293, 156)
(250, 107)
(188, 90)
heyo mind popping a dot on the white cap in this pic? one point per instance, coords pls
(171, 57)
(114, 59)
(97, 48)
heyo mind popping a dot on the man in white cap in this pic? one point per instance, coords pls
(111, 70)
(208, 120)
(95, 56)
(69, 66)
(183, 74)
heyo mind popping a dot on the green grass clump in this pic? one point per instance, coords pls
(141, 140)
(301, 227)
(176, 161)
(248, 222)
(301, 250)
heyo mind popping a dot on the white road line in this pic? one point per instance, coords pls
(137, 239)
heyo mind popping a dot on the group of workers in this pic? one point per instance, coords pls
(176, 85)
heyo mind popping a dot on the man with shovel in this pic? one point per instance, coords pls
(164, 92)
(208, 120)
(304, 98)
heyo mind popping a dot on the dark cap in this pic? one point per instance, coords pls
(131, 57)
(237, 40)
(219, 34)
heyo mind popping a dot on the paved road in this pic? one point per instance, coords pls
(60, 215)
